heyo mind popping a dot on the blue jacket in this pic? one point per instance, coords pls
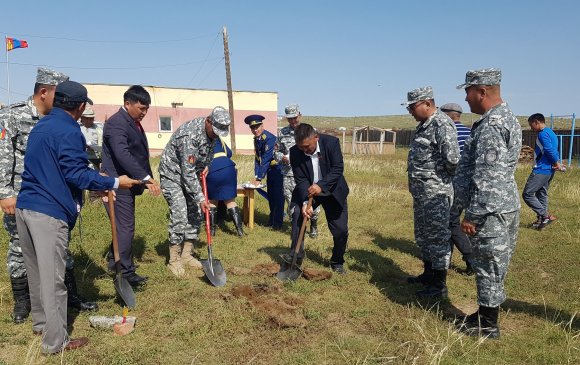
(264, 146)
(222, 155)
(56, 169)
(546, 152)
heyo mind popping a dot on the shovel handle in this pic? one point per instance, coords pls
(300, 241)
(111, 199)
(206, 213)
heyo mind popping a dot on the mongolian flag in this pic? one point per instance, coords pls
(13, 43)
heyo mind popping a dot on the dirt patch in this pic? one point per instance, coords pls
(266, 269)
(316, 275)
(239, 271)
(282, 310)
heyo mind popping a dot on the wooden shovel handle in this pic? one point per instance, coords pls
(300, 241)
(111, 199)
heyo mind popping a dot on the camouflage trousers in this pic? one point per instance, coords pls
(15, 260)
(289, 185)
(493, 246)
(184, 213)
(431, 225)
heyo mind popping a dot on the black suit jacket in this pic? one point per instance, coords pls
(331, 182)
(125, 150)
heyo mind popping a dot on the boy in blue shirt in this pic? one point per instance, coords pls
(547, 159)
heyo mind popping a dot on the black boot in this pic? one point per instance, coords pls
(423, 278)
(437, 288)
(21, 299)
(212, 220)
(313, 228)
(482, 323)
(468, 266)
(238, 221)
(74, 299)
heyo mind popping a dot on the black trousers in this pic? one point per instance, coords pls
(337, 219)
(125, 220)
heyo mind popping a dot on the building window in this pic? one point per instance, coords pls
(165, 124)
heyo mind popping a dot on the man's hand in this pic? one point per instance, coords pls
(204, 206)
(307, 213)
(8, 205)
(468, 227)
(285, 160)
(256, 182)
(153, 186)
(314, 190)
(205, 171)
(125, 182)
(105, 195)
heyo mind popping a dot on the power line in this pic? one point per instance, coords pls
(111, 41)
(109, 68)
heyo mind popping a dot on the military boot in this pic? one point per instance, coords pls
(212, 220)
(238, 221)
(74, 300)
(174, 265)
(437, 288)
(313, 228)
(187, 256)
(21, 299)
(482, 323)
(425, 277)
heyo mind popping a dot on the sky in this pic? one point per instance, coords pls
(333, 58)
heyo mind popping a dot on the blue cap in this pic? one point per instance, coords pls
(254, 119)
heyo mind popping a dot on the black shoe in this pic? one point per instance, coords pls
(276, 228)
(74, 299)
(212, 220)
(437, 287)
(544, 223)
(338, 268)
(287, 259)
(21, 299)
(423, 278)
(135, 279)
(482, 323)
(238, 221)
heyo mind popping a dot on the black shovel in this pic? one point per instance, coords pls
(122, 286)
(213, 269)
(294, 271)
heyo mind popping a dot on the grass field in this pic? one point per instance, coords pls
(369, 316)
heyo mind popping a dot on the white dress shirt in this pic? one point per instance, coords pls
(315, 163)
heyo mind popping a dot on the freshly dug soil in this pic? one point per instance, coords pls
(316, 275)
(282, 310)
(266, 269)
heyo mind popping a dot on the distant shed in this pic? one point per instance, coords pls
(373, 141)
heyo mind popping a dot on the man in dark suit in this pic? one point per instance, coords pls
(318, 168)
(126, 152)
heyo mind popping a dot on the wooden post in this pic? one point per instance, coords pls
(353, 140)
(230, 92)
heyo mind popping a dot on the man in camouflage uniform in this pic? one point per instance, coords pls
(432, 161)
(486, 188)
(187, 155)
(18, 120)
(282, 156)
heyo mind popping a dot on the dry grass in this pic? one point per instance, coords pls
(369, 316)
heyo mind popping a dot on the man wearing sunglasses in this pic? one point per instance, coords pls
(432, 161)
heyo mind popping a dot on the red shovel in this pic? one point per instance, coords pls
(213, 269)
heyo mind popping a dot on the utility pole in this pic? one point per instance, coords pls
(230, 92)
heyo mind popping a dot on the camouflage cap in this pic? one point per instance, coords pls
(45, 76)
(419, 94)
(220, 121)
(292, 111)
(487, 76)
(451, 107)
(88, 113)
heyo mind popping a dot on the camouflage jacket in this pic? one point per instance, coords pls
(285, 142)
(17, 120)
(485, 182)
(433, 156)
(187, 153)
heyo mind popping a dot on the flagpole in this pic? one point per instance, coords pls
(7, 68)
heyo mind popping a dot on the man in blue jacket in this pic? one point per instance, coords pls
(547, 162)
(55, 173)
(265, 166)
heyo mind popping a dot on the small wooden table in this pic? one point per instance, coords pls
(248, 207)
